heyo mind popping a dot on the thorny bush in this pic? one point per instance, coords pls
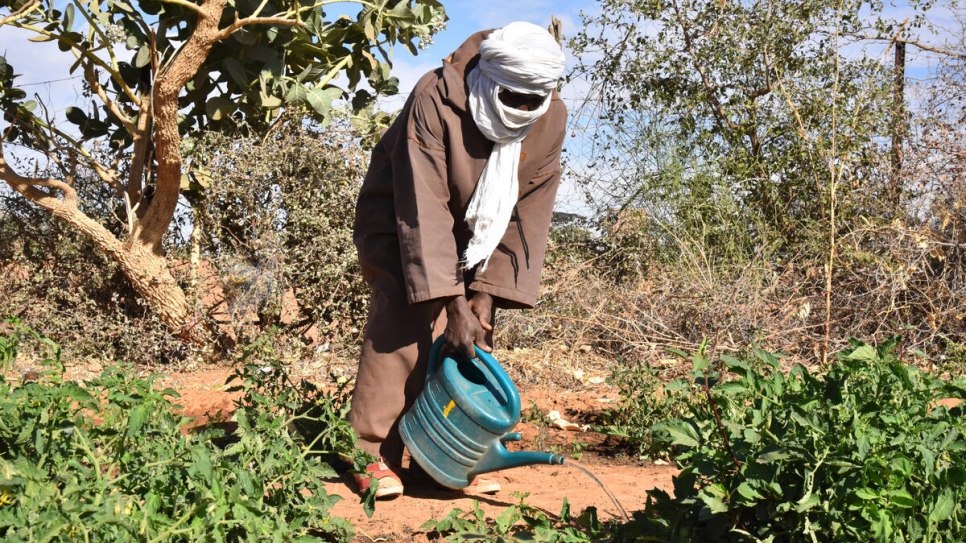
(887, 277)
(50, 273)
(277, 218)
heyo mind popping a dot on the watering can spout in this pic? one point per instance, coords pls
(497, 457)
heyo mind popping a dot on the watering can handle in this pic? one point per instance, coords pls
(513, 397)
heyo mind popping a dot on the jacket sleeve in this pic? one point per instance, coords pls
(424, 223)
(513, 273)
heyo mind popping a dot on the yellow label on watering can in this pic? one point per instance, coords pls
(449, 407)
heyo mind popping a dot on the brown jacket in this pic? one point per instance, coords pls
(410, 230)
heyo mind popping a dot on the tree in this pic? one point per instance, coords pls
(156, 70)
(746, 119)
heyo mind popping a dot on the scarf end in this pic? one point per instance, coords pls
(469, 262)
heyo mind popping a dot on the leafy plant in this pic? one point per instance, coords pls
(644, 401)
(517, 523)
(860, 452)
(577, 449)
(107, 460)
(316, 418)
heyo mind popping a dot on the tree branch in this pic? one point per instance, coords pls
(65, 209)
(239, 23)
(86, 53)
(185, 4)
(142, 144)
(25, 9)
(108, 175)
(915, 43)
(333, 72)
(280, 20)
(98, 89)
(115, 69)
(27, 186)
(712, 95)
(139, 161)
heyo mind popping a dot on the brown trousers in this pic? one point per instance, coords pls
(392, 369)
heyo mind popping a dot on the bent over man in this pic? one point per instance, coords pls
(452, 222)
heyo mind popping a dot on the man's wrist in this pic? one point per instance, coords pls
(453, 304)
(480, 293)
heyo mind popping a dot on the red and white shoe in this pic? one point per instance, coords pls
(389, 482)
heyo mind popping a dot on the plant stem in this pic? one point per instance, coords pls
(717, 418)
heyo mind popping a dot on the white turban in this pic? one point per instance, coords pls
(524, 58)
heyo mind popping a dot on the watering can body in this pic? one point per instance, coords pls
(457, 427)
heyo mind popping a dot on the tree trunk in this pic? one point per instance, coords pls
(141, 255)
(898, 122)
(147, 270)
(151, 277)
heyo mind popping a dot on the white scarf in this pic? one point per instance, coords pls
(524, 58)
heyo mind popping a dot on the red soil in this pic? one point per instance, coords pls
(203, 395)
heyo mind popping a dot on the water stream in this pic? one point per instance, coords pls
(620, 509)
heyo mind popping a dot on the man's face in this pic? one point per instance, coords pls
(521, 101)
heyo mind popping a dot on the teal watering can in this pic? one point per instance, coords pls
(458, 425)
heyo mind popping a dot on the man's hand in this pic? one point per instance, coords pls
(468, 324)
(481, 304)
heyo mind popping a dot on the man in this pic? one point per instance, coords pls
(452, 222)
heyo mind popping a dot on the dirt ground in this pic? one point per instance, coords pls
(627, 479)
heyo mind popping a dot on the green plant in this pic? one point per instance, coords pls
(316, 418)
(107, 460)
(533, 414)
(644, 401)
(518, 523)
(577, 448)
(861, 452)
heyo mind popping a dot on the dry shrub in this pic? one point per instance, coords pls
(891, 278)
(903, 278)
(56, 281)
(276, 251)
(277, 222)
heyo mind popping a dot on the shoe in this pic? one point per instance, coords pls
(390, 483)
(479, 485)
